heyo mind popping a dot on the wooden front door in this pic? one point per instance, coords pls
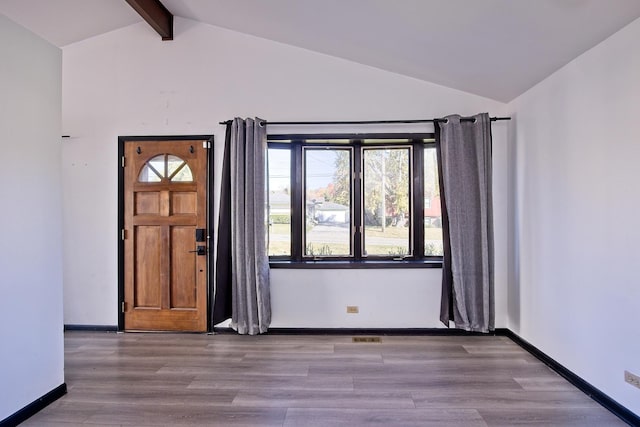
(165, 242)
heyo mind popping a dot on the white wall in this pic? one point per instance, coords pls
(31, 353)
(574, 281)
(128, 82)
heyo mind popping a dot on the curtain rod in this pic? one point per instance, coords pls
(371, 122)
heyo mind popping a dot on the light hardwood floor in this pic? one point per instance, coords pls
(138, 379)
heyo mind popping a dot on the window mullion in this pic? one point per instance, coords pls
(357, 201)
(297, 201)
(417, 211)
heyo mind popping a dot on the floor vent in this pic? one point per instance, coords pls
(367, 339)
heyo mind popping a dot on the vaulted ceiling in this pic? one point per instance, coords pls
(493, 48)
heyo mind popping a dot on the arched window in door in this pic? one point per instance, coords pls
(165, 167)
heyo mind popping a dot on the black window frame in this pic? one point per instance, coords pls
(296, 142)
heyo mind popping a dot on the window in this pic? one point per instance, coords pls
(361, 199)
(166, 167)
(279, 231)
(327, 202)
(386, 201)
(432, 208)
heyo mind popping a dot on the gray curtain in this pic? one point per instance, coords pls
(251, 302)
(465, 160)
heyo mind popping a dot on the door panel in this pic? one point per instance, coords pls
(148, 270)
(147, 203)
(183, 268)
(183, 203)
(165, 202)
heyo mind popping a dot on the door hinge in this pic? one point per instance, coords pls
(123, 234)
(123, 161)
(123, 306)
(206, 144)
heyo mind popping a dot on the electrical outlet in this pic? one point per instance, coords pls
(353, 309)
(632, 379)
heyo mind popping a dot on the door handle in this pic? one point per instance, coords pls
(200, 250)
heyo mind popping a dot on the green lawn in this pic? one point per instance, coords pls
(399, 232)
(280, 246)
(283, 229)
(402, 232)
(389, 232)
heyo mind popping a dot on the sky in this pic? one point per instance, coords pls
(320, 168)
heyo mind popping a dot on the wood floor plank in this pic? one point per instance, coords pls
(435, 382)
(444, 368)
(239, 368)
(262, 348)
(166, 396)
(156, 379)
(153, 415)
(283, 382)
(299, 417)
(563, 416)
(64, 412)
(551, 382)
(464, 397)
(506, 368)
(502, 348)
(316, 357)
(37, 423)
(350, 369)
(460, 358)
(413, 349)
(323, 399)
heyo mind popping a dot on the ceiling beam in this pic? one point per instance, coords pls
(156, 15)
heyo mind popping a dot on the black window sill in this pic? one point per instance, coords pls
(343, 264)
